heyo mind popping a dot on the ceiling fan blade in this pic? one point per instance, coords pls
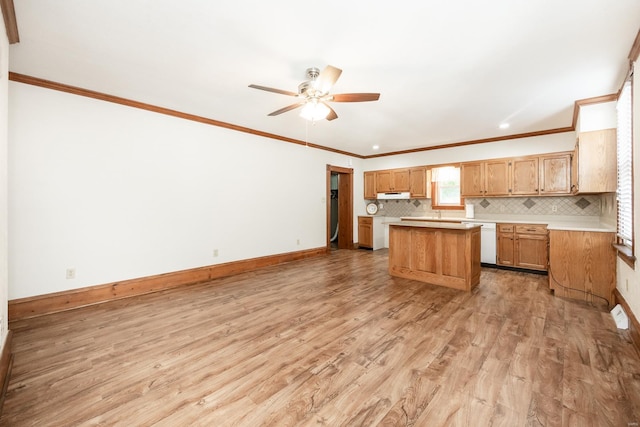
(327, 78)
(355, 97)
(270, 89)
(287, 108)
(332, 114)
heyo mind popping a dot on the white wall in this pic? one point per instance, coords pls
(4, 248)
(628, 278)
(597, 116)
(119, 193)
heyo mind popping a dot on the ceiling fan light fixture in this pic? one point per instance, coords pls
(314, 110)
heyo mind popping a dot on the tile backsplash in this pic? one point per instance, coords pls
(587, 205)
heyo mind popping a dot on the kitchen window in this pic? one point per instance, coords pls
(445, 181)
(625, 244)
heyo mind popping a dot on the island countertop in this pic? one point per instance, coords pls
(435, 224)
(552, 223)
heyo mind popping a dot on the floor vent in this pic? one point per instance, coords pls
(620, 317)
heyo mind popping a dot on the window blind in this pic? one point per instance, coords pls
(625, 166)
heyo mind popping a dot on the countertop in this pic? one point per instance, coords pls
(553, 223)
(436, 224)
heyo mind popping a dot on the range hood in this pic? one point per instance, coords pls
(393, 195)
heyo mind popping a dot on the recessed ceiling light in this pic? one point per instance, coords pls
(376, 147)
(503, 125)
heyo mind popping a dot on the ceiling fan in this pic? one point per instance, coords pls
(313, 94)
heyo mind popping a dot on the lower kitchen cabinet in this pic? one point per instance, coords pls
(365, 232)
(523, 246)
(582, 265)
(371, 232)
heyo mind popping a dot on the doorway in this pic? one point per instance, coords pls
(339, 207)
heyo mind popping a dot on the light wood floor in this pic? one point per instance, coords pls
(330, 341)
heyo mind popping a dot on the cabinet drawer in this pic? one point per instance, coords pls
(365, 220)
(531, 229)
(505, 228)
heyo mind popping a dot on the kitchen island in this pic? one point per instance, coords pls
(445, 254)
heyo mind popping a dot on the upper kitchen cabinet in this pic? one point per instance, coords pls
(548, 174)
(524, 176)
(555, 174)
(419, 185)
(497, 174)
(370, 185)
(415, 180)
(392, 180)
(500, 177)
(472, 179)
(594, 162)
(488, 178)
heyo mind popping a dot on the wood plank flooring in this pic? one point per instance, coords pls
(331, 341)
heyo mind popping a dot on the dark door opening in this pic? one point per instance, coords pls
(339, 207)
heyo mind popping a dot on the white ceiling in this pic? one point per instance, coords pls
(447, 71)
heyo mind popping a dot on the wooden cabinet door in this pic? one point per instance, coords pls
(591, 278)
(496, 177)
(383, 181)
(524, 176)
(369, 185)
(574, 168)
(531, 251)
(555, 174)
(401, 180)
(506, 244)
(418, 183)
(472, 179)
(365, 232)
(597, 161)
(392, 180)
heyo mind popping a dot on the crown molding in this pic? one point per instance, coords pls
(634, 53)
(10, 21)
(590, 101)
(48, 84)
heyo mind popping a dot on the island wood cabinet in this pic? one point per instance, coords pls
(594, 165)
(521, 176)
(446, 254)
(582, 265)
(523, 246)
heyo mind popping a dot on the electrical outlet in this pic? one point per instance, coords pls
(502, 208)
(71, 273)
(626, 283)
(215, 253)
(554, 208)
(298, 242)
